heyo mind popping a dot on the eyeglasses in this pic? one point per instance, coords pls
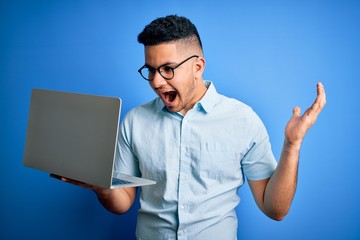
(167, 72)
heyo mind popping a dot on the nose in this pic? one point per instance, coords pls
(158, 81)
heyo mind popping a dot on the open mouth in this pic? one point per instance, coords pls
(170, 96)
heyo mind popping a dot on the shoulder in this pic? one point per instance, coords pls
(235, 106)
(219, 103)
(237, 114)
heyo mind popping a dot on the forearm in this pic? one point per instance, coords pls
(117, 200)
(281, 187)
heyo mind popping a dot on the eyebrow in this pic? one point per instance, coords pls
(167, 63)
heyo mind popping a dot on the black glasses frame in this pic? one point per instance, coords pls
(154, 70)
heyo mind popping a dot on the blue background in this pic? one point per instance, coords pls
(268, 54)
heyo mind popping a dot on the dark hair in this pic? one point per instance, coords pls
(169, 29)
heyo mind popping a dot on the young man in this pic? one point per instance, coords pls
(198, 146)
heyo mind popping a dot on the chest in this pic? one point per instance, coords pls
(201, 146)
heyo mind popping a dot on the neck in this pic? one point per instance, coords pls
(197, 97)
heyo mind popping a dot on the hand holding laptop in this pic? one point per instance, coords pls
(116, 200)
(98, 190)
(74, 182)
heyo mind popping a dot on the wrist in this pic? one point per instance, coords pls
(100, 192)
(292, 147)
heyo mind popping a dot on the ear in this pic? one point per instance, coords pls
(199, 67)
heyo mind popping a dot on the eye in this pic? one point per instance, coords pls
(151, 70)
(166, 69)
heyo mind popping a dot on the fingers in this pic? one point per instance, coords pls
(320, 88)
(296, 112)
(320, 100)
(299, 124)
(314, 110)
(56, 176)
(61, 178)
(321, 95)
(71, 181)
(317, 105)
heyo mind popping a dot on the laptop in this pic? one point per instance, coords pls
(75, 136)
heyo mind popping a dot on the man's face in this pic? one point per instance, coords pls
(186, 88)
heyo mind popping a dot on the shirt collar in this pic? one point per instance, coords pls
(211, 97)
(206, 103)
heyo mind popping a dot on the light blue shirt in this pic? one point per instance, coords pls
(199, 161)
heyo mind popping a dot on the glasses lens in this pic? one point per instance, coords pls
(167, 72)
(147, 73)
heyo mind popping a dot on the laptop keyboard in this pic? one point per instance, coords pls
(116, 181)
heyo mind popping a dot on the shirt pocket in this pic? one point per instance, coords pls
(219, 161)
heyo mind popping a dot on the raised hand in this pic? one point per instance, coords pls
(298, 125)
